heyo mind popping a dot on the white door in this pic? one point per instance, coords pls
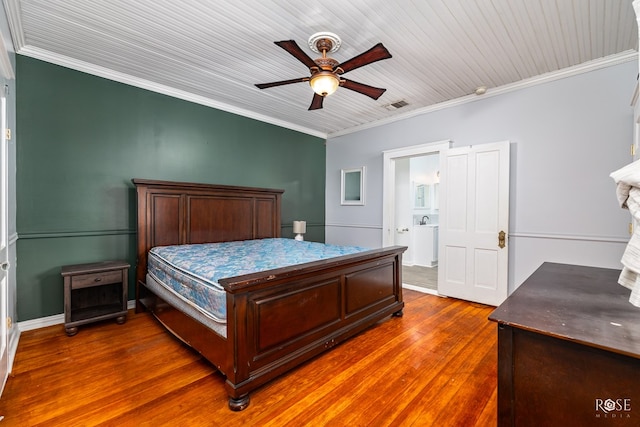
(4, 243)
(474, 223)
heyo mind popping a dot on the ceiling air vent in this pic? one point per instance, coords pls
(395, 105)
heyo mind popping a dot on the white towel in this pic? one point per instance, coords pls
(629, 279)
(628, 193)
(622, 193)
(629, 174)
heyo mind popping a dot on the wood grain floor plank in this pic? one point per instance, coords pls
(396, 370)
(380, 362)
(434, 366)
(422, 398)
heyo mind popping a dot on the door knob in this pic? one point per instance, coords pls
(501, 239)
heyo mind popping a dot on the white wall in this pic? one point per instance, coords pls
(403, 208)
(566, 137)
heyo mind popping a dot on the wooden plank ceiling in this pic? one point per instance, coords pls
(213, 52)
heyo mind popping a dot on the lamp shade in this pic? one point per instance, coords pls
(324, 83)
(299, 227)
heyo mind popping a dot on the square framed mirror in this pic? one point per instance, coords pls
(352, 186)
(422, 196)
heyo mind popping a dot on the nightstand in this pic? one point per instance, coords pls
(94, 292)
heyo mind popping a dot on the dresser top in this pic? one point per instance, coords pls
(575, 303)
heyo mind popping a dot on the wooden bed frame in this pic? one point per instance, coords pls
(278, 319)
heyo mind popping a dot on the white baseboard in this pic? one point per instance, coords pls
(56, 319)
(41, 322)
(12, 347)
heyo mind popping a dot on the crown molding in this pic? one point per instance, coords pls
(13, 15)
(12, 9)
(6, 69)
(596, 64)
(106, 73)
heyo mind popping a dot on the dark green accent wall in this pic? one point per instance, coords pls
(80, 139)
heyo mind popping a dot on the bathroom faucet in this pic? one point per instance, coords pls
(422, 221)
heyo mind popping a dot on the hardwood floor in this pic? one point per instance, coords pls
(437, 365)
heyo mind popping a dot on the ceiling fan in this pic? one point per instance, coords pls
(326, 72)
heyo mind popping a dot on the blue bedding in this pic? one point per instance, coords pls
(193, 271)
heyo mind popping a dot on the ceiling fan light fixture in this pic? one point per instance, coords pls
(325, 72)
(324, 83)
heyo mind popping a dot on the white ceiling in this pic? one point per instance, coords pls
(213, 52)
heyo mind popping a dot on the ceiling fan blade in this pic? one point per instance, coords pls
(376, 53)
(295, 50)
(370, 91)
(280, 83)
(316, 102)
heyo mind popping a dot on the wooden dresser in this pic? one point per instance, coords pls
(568, 350)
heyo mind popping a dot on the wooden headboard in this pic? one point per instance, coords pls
(172, 213)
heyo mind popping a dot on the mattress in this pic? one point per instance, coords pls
(185, 306)
(193, 271)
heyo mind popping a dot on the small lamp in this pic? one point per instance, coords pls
(299, 228)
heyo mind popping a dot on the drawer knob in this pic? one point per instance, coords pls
(98, 279)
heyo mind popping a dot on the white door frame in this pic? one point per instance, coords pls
(9, 330)
(5, 357)
(389, 178)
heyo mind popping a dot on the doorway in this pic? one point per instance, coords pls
(410, 211)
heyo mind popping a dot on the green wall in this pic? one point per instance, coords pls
(80, 139)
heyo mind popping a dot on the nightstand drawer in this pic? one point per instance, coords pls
(96, 279)
(94, 292)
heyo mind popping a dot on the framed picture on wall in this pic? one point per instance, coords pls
(352, 186)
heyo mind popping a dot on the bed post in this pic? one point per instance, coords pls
(141, 244)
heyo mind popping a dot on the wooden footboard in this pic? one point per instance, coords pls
(275, 320)
(279, 320)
